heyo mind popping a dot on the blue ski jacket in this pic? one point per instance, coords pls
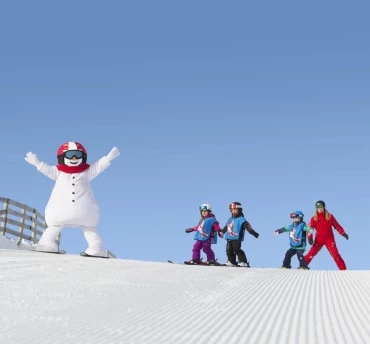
(204, 229)
(297, 234)
(234, 228)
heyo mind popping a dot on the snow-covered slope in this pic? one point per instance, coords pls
(47, 298)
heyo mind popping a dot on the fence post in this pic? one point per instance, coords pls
(6, 205)
(21, 228)
(34, 227)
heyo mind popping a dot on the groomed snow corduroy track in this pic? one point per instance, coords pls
(48, 298)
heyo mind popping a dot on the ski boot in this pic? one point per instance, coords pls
(212, 262)
(230, 264)
(244, 265)
(193, 262)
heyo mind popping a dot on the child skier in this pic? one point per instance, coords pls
(205, 236)
(234, 229)
(297, 236)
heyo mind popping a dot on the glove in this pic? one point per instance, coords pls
(188, 230)
(310, 240)
(220, 234)
(345, 235)
(276, 233)
(114, 153)
(32, 159)
(256, 235)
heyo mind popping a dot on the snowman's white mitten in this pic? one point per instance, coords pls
(114, 153)
(32, 159)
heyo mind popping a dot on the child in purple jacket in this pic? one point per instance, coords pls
(205, 236)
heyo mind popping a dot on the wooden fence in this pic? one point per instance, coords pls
(20, 222)
(23, 224)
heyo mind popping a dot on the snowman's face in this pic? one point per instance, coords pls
(73, 158)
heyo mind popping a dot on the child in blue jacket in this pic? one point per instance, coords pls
(297, 236)
(205, 236)
(235, 227)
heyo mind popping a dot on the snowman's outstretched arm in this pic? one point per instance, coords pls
(47, 170)
(99, 166)
(114, 153)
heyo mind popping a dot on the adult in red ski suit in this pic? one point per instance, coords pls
(322, 222)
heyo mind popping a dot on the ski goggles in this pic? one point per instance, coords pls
(203, 208)
(293, 215)
(319, 206)
(73, 153)
(235, 206)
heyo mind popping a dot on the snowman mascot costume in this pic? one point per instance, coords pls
(72, 202)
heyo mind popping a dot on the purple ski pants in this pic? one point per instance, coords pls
(207, 249)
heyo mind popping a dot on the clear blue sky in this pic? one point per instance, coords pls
(208, 101)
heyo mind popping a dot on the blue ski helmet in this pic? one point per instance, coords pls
(296, 213)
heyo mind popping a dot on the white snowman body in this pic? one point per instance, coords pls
(72, 202)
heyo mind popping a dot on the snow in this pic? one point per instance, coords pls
(49, 298)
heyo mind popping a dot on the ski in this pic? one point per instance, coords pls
(235, 266)
(84, 254)
(188, 263)
(54, 252)
(205, 264)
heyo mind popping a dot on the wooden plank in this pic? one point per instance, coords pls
(18, 224)
(20, 214)
(39, 225)
(38, 214)
(32, 222)
(20, 205)
(30, 215)
(28, 227)
(18, 235)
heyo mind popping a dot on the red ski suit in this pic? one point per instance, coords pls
(325, 236)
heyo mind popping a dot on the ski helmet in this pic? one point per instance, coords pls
(236, 205)
(297, 213)
(70, 147)
(205, 206)
(320, 204)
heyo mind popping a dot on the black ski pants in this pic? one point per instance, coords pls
(233, 249)
(288, 258)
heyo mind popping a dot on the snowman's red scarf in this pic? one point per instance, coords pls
(73, 169)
